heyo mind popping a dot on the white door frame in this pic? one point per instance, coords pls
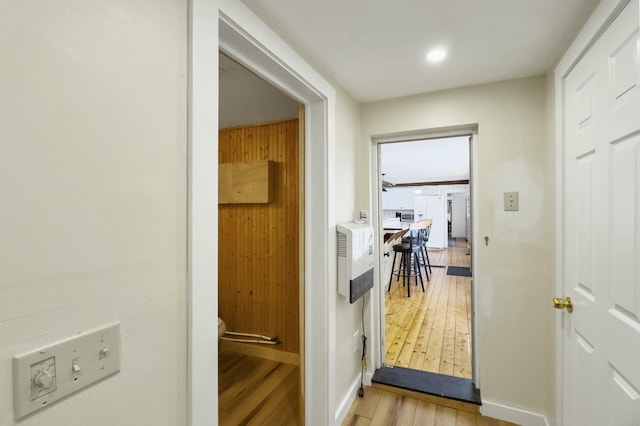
(234, 29)
(601, 18)
(378, 308)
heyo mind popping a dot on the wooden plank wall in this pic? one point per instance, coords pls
(259, 243)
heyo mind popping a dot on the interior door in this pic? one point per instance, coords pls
(601, 229)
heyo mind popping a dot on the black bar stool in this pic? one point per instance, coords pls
(409, 260)
(424, 229)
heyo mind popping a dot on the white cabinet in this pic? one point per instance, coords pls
(408, 195)
(392, 199)
(398, 199)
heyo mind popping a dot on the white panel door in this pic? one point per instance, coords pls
(601, 229)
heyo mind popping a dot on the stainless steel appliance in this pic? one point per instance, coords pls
(406, 217)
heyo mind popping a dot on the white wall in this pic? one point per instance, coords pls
(348, 316)
(93, 186)
(514, 276)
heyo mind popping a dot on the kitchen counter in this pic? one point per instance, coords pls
(394, 224)
(393, 228)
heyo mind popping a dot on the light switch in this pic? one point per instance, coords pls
(511, 202)
(44, 376)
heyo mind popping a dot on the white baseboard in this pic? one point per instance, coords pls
(347, 402)
(513, 415)
(368, 375)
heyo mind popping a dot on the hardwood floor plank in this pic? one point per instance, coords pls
(385, 407)
(272, 402)
(422, 340)
(248, 374)
(448, 339)
(257, 391)
(445, 416)
(384, 414)
(406, 410)
(286, 413)
(425, 414)
(488, 421)
(357, 421)
(431, 331)
(408, 347)
(466, 419)
(366, 407)
(434, 346)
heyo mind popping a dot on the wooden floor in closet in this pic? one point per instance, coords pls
(380, 407)
(256, 391)
(431, 330)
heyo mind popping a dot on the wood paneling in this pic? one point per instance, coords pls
(259, 244)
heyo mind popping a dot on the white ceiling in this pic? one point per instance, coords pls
(244, 98)
(375, 49)
(433, 160)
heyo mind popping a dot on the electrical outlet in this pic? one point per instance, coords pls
(356, 341)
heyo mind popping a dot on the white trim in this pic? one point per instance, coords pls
(475, 255)
(346, 403)
(559, 218)
(249, 40)
(513, 415)
(600, 19)
(202, 351)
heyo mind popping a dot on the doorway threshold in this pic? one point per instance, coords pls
(440, 385)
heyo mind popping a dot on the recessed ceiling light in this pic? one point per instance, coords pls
(436, 55)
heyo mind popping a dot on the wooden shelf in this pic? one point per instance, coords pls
(246, 183)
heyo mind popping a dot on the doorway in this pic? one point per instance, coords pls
(243, 38)
(430, 331)
(259, 233)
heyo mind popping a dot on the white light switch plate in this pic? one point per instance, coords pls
(50, 373)
(511, 202)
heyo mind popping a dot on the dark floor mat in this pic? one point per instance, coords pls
(430, 383)
(459, 271)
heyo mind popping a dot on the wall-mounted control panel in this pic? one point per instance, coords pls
(50, 373)
(511, 202)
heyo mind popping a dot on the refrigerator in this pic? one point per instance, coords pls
(436, 210)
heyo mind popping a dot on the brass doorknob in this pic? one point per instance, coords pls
(560, 303)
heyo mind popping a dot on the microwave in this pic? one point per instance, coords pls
(406, 217)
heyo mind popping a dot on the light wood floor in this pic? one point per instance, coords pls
(379, 407)
(431, 330)
(256, 391)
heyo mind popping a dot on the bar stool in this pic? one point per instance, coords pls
(409, 261)
(424, 229)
